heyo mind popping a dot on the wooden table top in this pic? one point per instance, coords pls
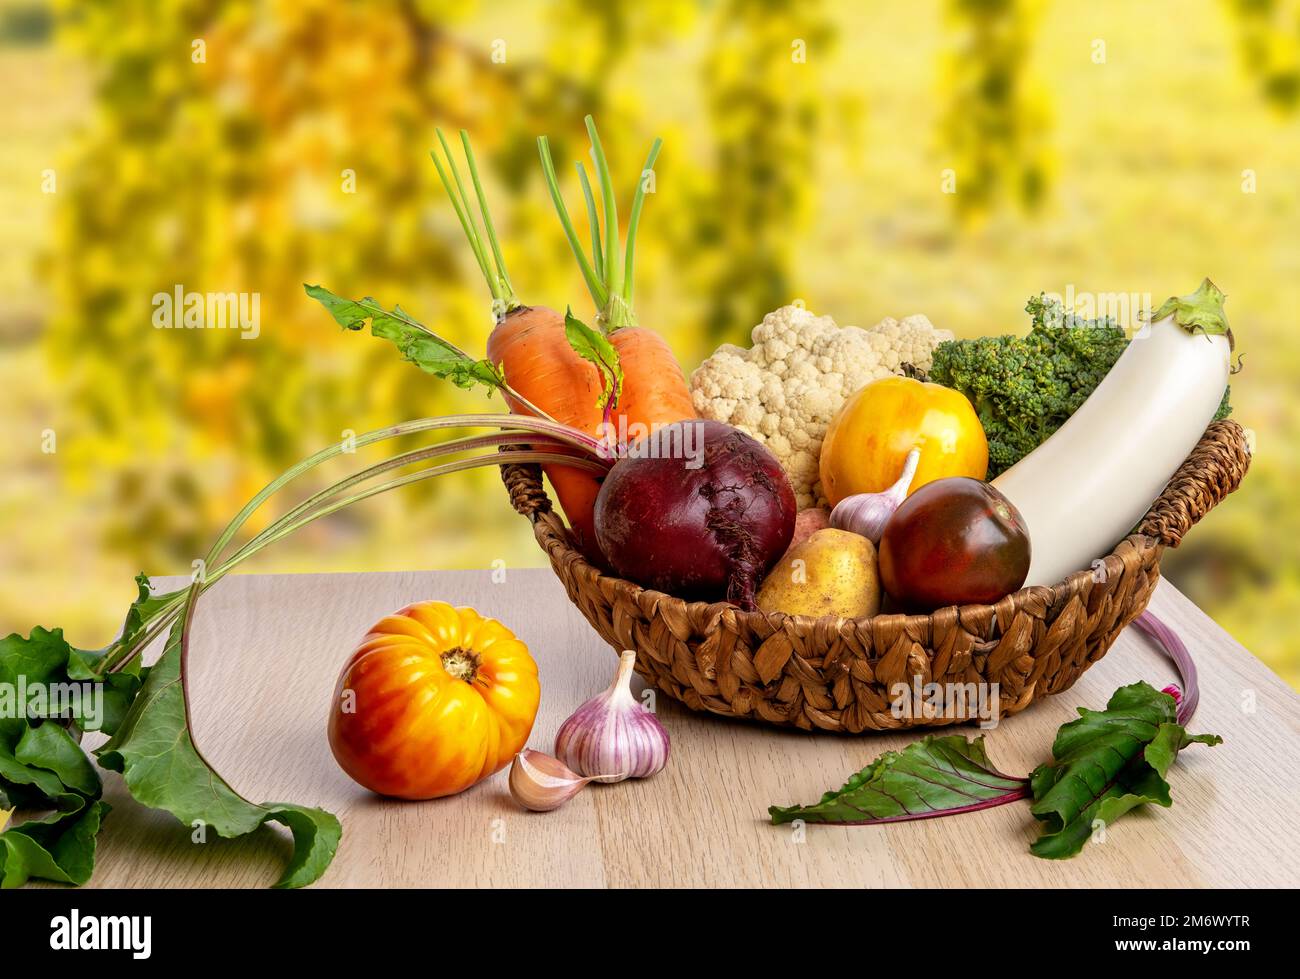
(267, 649)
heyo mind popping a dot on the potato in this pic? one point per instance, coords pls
(833, 572)
(808, 522)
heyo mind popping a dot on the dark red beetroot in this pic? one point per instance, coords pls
(955, 541)
(698, 510)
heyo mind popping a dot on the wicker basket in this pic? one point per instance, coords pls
(836, 674)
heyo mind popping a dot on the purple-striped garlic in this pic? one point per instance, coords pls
(614, 732)
(542, 783)
(867, 513)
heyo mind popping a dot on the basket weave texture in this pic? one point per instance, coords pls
(839, 675)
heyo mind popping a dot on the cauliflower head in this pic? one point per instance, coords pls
(785, 389)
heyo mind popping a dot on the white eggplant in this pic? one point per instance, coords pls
(1087, 487)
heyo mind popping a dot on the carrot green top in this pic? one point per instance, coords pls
(493, 266)
(608, 279)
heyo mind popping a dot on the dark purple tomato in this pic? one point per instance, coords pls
(955, 541)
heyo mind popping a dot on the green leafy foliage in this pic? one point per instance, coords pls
(120, 688)
(43, 767)
(594, 347)
(1026, 387)
(934, 776)
(157, 757)
(425, 349)
(60, 847)
(1105, 764)
(49, 746)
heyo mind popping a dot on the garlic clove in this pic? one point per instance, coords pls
(614, 732)
(867, 513)
(542, 783)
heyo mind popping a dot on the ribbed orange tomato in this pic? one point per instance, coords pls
(868, 441)
(434, 700)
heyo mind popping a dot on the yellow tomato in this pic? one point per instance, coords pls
(434, 700)
(868, 441)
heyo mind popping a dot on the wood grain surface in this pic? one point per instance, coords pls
(268, 648)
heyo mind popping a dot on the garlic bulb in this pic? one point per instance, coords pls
(542, 783)
(867, 513)
(613, 732)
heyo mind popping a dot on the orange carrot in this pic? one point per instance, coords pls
(626, 388)
(530, 345)
(654, 391)
(616, 382)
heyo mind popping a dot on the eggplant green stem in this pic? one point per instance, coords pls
(1198, 312)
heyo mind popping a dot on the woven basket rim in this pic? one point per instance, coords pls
(1046, 594)
(1214, 469)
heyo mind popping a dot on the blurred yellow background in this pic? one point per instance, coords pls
(255, 146)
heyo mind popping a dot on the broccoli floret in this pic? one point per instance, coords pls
(1025, 387)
